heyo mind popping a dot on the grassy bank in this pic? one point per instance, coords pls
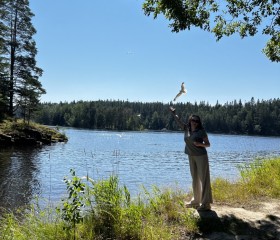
(258, 180)
(16, 131)
(105, 210)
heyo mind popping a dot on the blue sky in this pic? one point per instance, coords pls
(109, 50)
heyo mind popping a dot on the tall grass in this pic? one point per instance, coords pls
(156, 215)
(259, 179)
(106, 210)
(33, 225)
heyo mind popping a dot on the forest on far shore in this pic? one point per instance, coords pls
(256, 117)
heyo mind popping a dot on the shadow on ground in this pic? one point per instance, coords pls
(229, 227)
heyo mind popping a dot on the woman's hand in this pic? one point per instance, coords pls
(172, 109)
(205, 143)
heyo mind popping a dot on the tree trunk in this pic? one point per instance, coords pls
(12, 65)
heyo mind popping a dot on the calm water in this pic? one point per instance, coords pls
(139, 158)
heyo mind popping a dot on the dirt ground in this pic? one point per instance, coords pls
(258, 222)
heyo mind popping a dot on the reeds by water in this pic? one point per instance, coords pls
(105, 210)
(259, 179)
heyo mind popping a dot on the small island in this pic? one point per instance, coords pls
(16, 132)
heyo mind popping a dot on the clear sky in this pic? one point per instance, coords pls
(109, 50)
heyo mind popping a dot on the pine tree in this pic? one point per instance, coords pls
(18, 51)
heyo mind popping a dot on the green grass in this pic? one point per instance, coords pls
(32, 225)
(109, 213)
(16, 127)
(258, 180)
(105, 210)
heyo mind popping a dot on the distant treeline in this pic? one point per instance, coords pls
(254, 117)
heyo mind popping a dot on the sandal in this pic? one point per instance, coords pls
(204, 207)
(191, 205)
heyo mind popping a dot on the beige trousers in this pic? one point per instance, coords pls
(199, 167)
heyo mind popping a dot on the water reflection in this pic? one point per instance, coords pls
(18, 177)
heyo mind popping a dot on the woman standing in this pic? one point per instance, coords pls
(197, 141)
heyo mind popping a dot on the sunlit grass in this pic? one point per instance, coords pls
(14, 127)
(110, 212)
(159, 214)
(260, 179)
(31, 225)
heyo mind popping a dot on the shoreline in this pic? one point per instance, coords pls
(19, 133)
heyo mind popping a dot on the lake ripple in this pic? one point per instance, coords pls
(139, 158)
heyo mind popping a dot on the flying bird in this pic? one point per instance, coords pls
(182, 91)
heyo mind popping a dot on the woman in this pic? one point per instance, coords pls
(196, 140)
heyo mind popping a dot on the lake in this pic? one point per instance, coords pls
(138, 158)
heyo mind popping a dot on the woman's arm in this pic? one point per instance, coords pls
(181, 124)
(205, 143)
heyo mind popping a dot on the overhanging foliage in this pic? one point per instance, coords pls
(223, 18)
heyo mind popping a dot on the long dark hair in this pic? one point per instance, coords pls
(199, 125)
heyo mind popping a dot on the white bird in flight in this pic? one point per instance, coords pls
(182, 91)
